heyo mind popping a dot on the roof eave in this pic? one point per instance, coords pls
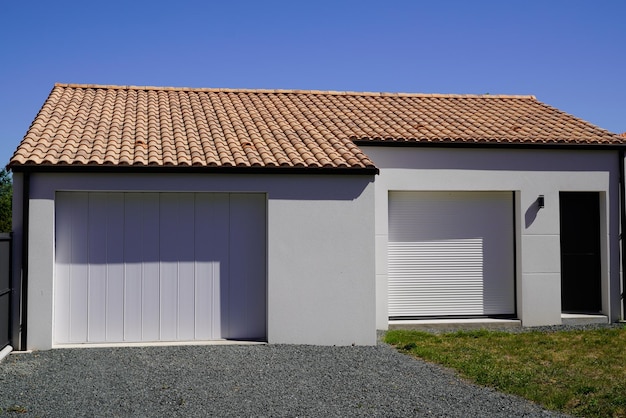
(88, 168)
(491, 144)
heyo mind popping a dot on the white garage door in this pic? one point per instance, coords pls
(148, 267)
(451, 254)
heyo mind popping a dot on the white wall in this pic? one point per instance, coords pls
(528, 173)
(320, 247)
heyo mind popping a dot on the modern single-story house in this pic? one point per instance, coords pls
(149, 215)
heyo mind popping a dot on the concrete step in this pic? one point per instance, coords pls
(455, 324)
(583, 319)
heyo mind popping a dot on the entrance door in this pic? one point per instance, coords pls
(580, 252)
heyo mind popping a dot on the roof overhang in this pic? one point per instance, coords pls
(82, 168)
(485, 144)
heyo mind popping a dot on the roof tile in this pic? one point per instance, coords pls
(167, 126)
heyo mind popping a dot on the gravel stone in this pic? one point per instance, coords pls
(243, 380)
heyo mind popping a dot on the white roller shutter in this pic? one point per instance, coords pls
(148, 267)
(451, 254)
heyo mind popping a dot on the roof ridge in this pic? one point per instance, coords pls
(294, 91)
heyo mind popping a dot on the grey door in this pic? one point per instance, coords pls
(5, 290)
(580, 252)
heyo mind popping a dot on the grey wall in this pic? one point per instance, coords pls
(320, 241)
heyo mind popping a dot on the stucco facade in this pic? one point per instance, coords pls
(320, 248)
(528, 173)
(362, 209)
(327, 235)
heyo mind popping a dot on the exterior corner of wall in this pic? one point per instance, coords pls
(40, 274)
(541, 295)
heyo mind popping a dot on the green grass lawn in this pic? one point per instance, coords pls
(580, 372)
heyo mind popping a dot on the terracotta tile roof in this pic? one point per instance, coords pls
(152, 126)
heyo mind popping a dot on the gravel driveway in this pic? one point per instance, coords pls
(249, 380)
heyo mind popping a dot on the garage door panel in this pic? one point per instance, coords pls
(97, 268)
(169, 240)
(212, 241)
(186, 268)
(63, 231)
(79, 268)
(425, 214)
(133, 209)
(157, 267)
(450, 253)
(115, 268)
(150, 281)
(132, 302)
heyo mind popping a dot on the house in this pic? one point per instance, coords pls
(147, 214)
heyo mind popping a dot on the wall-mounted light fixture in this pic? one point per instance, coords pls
(541, 201)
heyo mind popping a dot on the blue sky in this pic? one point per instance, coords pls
(571, 54)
